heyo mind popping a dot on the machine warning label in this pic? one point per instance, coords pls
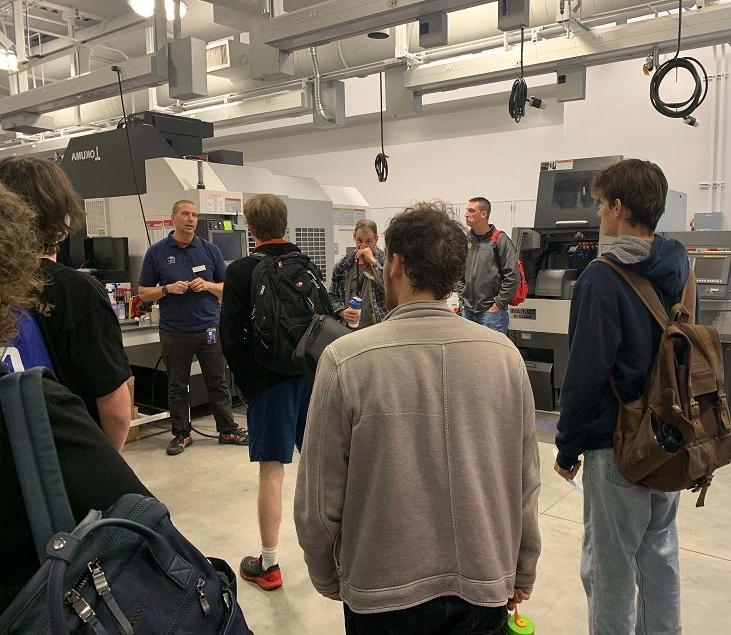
(523, 314)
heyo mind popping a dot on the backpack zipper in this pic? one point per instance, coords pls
(84, 611)
(84, 577)
(202, 599)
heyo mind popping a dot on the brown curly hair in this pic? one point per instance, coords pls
(19, 280)
(48, 191)
(432, 246)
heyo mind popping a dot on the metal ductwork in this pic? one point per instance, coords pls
(467, 25)
(355, 56)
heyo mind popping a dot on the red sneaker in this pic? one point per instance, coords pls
(251, 571)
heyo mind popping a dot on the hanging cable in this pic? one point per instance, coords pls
(680, 109)
(118, 70)
(381, 158)
(519, 92)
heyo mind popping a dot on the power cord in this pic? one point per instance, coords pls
(519, 92)
(118, 70)
(680, 109)
(381, 158)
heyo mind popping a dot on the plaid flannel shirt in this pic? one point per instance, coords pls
(342, 283)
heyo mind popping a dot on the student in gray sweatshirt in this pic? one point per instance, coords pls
(416, 500)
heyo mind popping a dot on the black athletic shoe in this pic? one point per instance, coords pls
(237, 437)
(178, 444)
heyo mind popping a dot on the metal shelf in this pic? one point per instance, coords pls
(158, 416)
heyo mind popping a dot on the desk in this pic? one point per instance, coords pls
(142, 343)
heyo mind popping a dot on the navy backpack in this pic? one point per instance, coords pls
(123, 571)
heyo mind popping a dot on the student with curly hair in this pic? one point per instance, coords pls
(416, 501)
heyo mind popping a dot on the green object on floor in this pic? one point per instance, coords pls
(521, 626)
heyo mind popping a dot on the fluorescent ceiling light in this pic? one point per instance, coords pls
(146, 8)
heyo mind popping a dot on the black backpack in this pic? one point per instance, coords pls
(286, 292)
(125, 570)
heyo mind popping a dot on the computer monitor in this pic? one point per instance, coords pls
(712, 269)
(107, 258)
(232, 243)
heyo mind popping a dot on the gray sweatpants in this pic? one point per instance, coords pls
(629, 564)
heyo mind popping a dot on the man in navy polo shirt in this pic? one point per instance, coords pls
(185, 274)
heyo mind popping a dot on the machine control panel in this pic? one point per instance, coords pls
(712, 267)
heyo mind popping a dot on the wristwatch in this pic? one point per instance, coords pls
(164, 289)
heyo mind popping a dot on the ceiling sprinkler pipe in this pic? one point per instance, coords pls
(318, 88)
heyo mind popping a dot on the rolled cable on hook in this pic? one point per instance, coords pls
(519, 92)
(381, 164)
(683, 109)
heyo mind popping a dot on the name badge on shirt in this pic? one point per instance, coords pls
(199, 268)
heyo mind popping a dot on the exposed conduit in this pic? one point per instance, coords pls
(317, 86)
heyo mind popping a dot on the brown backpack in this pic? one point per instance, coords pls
(679, 431)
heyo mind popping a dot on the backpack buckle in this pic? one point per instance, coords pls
(695, 409)
(702, 486)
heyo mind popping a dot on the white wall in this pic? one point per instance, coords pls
(481, 151)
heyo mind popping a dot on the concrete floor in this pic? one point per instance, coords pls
(211, 492)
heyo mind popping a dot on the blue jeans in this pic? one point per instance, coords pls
(497, 321)
(448, 614)
(629, 564)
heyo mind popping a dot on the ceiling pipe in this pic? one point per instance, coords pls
(344, 56)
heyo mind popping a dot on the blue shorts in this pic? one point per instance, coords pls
(276, 420)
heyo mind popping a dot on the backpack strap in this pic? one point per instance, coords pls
(496, 254)
(34, 454)
(643, 289)
(685, 310)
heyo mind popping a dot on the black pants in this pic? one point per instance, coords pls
(448, 615)
(178, 349)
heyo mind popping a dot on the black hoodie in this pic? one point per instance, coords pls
(612, 334)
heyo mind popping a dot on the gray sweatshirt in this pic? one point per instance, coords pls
(483, 283)
(418, 479)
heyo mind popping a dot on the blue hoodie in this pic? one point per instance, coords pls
(612, 334)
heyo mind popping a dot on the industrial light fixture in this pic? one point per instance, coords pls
(146, 8)
(382, 34)
(8, 60)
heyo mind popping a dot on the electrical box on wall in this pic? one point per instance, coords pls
(433, 30)
(513, 14)
(571, 84)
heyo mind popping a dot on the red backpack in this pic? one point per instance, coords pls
(522, 291)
